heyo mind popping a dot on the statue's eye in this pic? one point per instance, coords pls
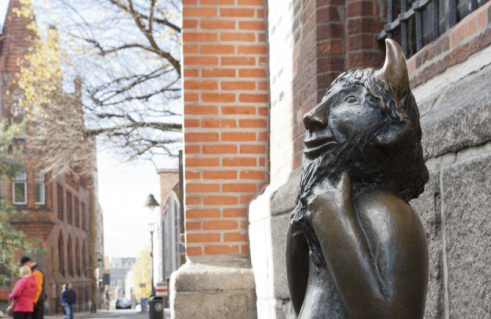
(351, 99)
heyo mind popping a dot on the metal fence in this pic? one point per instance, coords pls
(418, 22)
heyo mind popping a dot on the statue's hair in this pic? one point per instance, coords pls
(400, 167)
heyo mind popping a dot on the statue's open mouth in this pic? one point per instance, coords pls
(318, 144)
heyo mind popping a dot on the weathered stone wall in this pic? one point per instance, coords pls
(455, 109)
(456, 204)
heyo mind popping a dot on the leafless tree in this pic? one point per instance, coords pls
(127, 54)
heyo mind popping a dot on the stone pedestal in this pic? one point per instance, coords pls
(217, 288)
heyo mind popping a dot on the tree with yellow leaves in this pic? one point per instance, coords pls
(55, 131)
(141, 271)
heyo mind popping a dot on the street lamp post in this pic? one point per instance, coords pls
(151, 229)
(151, 203)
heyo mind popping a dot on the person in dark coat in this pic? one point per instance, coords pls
(68, 300)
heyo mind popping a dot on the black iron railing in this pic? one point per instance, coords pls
(418, 22)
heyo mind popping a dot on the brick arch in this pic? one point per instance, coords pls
(61, 254)
(69, 253)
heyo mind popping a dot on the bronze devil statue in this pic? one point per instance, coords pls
(355, 247)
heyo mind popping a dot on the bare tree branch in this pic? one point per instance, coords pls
(128, 58)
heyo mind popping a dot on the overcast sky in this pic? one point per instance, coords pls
(123, 189)
(3, 10)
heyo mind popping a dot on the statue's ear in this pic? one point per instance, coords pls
(393, 134)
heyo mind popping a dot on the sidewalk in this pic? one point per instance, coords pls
(85, 314)
(111, 314)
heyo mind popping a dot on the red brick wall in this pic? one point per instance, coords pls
(329, 36)
(225, 121)
(363, 23)
(469, 36)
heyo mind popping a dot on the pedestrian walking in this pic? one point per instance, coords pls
(23, 294)
(68, 300)
(40, 295)
(63, 288)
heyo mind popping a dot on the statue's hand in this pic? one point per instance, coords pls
(328, 198)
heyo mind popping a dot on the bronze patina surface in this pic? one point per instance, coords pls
(355, 247)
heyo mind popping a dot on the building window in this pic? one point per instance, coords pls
(77, 258)
(70, 257)
(84, 259)
(20, 188)
(61, 255)
(416, 23)
(39, 188)
(77, 211)
(84, 217)
(61, 202)
(69, 207)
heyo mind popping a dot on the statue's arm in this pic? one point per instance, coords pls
(297, 266)
(346, 252)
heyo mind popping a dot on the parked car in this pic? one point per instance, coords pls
(123, 303)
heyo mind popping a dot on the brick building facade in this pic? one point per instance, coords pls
(226, 127)
(60, 210)
(252, 68)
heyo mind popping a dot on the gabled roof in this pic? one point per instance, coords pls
(15, 39)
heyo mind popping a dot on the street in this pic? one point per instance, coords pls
(112, 314)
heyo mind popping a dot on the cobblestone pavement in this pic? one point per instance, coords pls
(112, 314)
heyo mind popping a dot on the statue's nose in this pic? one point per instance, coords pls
(315, 119)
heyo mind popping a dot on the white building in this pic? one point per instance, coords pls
(168, 251)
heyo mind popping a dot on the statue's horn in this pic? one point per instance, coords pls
(394, 71)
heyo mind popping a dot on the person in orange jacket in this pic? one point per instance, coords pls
(40, 294)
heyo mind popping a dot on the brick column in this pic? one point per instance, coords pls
(363, 22)
(226, 155)
(225, 121)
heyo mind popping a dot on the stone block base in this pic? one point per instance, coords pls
(275, 309)
(218, 289)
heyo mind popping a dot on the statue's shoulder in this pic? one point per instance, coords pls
(381, 199)
(386, 211)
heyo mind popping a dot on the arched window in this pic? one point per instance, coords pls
(69, 252)
(77, 257)
(61, 254)
(84, 217)
(77, 211)
(69, 207)
(61, 202)
(84, 259)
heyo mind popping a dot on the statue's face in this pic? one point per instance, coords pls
(343, 114)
